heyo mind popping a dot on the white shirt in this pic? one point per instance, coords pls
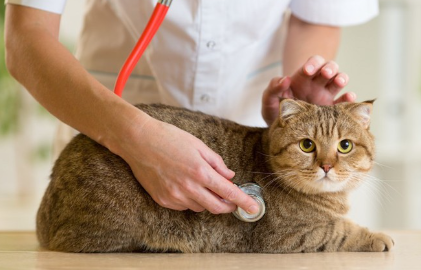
(216, 56)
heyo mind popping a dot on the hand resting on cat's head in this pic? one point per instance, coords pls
(306, 163)
(318, 82)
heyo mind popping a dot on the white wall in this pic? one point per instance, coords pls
(383, 59)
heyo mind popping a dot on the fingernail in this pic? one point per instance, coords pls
(328, 71)
(286, 94)
(341, 80)
(353, 95)
(309, 69)
(289, 93)
(253, 209)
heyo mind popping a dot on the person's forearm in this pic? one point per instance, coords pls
(173, 166)
(59, 82)
(304, 40)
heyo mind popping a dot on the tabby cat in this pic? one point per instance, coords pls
(306, 163)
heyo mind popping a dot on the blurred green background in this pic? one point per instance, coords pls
(9, 97)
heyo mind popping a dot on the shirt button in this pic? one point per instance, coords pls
(205, 98)
(211, 44)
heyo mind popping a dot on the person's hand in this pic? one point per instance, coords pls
(180, 172)
(317, 82)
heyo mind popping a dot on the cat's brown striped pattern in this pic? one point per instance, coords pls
(94, 203)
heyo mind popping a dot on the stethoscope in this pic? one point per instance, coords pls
(157, 17)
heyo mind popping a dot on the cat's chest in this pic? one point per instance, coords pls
(285, 206)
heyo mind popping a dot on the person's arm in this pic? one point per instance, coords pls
(35, 57)
(309, 72)
(179, 170)
(305, 40)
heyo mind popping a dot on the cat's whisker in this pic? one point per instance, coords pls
(270, 183)
(382, 165)
(375, 193)
(384, 192)
(270, 157)
(267, 174)
(266, 155)
(277, 180)
(271, 173)
(293, 183)
(374, 185)
(372, 189)
(382, 183)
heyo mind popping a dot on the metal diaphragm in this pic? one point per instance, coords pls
(254, 191)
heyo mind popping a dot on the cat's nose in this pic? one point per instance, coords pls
(326, 168)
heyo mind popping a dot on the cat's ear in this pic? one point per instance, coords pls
(289, 107)
(362, 112)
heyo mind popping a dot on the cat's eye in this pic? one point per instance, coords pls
(307, 145)
(345, 146)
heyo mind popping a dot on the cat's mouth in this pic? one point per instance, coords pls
(328, 183)
(325, 178)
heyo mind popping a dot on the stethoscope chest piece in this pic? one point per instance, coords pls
(254, 191)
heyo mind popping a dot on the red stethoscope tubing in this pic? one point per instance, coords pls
(154, 23)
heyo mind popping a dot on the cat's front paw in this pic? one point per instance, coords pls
(381, 242)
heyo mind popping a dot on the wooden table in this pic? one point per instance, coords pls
(20, 250)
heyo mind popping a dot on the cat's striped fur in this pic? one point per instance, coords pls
(94, 203)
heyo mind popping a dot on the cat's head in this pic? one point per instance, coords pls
(318, 149)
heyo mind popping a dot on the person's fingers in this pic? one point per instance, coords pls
(338, 83)
(287, 94)
(210, 200)
(217, 163)
(192, 195)
(341, 80)
(326, 73)
(275, 82)
(347, 97)
(194, 206)
(312, 66)
(217, 188)
(277, 88)
(233, 194)
(278, 84)
(169, 202)
(181, 205)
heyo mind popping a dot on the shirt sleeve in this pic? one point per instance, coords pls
(55, 6)
(335, 12)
